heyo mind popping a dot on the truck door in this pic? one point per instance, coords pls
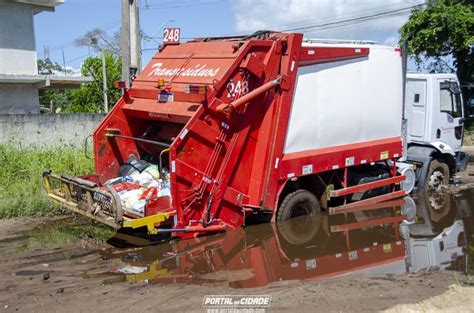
(450, 117)
(416, 109)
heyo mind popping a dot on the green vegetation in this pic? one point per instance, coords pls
(21, 188)
(55, 234)
(440, 33)
(89, 97)
(469, 138)
(52, 98)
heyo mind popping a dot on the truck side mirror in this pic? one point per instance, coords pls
(454, 88)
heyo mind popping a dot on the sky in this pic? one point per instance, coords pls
(200, 18)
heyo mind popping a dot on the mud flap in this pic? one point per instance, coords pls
(420, 155)
(462, 158)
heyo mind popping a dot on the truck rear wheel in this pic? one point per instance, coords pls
(298, 203)
(438, 175)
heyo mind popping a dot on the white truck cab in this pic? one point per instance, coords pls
(435, 126)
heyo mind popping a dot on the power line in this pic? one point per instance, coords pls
(373, 9)
(366, 17)
(173, 5)
(78, 58)
(106, 26)
(337, 24)
(334, 27)
(332, 17)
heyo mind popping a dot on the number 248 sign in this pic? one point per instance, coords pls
(171, 36)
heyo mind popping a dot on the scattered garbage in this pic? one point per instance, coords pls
(126, 186)
(132, 256)
(138, 183)
(133, 165)
(130, 269)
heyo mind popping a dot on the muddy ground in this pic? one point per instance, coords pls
(52, 280)
(43, 270)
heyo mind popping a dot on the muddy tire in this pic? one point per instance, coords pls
(300, 231)
(298, 203)
(299, 217)
(438, 205)
(438, 175)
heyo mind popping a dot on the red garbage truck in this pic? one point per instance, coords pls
(268, 126)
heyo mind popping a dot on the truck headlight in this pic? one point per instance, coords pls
(409, 210)
(410, 178)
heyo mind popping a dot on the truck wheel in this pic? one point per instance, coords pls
(438, 175)
(298, 203)
(438, 205)
(300, 232)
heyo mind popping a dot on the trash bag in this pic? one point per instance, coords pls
(132, 166)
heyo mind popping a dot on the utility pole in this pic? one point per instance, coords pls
(64, 61)
(104, 82)
(45, 52)
(125, 31)
(135, 46)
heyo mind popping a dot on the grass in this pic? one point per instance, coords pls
(21, 188)
(55, 234)
(468, 138)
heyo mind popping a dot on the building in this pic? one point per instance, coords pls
(19, 79)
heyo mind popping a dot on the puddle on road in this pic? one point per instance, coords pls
(426, 232)
(58, 232)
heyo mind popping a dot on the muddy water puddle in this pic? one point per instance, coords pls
(426, 232)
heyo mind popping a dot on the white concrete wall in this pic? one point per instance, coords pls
(19, 99)
(17, 39)
(47, 130)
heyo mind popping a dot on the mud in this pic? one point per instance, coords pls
(365, 261)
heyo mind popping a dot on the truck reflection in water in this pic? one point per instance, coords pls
(425, 231)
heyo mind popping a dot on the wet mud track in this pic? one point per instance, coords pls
(365, 261)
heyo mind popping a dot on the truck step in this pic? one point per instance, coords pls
(373, 222)
(366, 186)
(362, 204)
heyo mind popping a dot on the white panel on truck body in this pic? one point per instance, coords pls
(346, 102)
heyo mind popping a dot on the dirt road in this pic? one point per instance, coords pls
(47, 266)
(51, 280)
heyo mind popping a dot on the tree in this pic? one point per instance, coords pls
(442, 35)
(99, 41)
(48, 67)
(52, 98)
(89, 97)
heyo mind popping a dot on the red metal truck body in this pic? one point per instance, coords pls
(223, 105)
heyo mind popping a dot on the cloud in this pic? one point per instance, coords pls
(253, 15)
(70, 71)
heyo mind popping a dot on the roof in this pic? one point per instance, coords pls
(339, 41)
(41, 5)
(419, 75)
(45, 81)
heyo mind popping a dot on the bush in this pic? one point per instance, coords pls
(21, 187)
(468, 138)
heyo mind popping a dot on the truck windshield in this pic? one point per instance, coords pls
(450, 99)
